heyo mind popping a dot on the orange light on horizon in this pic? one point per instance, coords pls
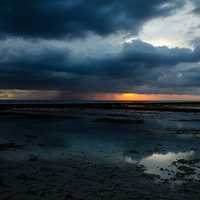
(124, 96)
(144, 97)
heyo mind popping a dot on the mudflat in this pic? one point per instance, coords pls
(100, 151)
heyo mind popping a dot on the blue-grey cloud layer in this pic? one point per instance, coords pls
(137, 65)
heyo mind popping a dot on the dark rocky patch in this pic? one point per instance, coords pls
(9, 146)
(33, 158)
(120, 120)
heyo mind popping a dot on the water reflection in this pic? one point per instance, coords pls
(162, 164)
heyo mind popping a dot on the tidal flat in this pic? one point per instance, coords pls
(100, 151)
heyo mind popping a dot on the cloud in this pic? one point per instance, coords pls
(28, 94)
(75, 18)
(197, 6)
(183, 31)
(137, 67)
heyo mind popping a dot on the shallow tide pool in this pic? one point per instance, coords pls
(165, 144)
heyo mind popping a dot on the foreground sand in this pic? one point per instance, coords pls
(81, 178)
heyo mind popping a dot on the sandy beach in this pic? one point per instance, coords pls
(99, 153)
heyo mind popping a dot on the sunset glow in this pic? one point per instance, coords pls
(56, 94)
(145, 97)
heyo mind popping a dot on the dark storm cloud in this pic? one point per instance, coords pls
(72, 18)
(138, 65)
(34, 54)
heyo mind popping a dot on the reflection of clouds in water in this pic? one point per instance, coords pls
(169, 157)
(154, 163)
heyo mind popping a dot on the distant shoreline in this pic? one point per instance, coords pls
(175, 106)
(75, 101)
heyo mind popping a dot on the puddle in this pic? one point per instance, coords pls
(170, 166)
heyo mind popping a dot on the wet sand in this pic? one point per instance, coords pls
(99, 153)
(86, 179)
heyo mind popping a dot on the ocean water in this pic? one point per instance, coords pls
(155, 142)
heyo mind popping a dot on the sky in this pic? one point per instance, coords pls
(99, 49)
